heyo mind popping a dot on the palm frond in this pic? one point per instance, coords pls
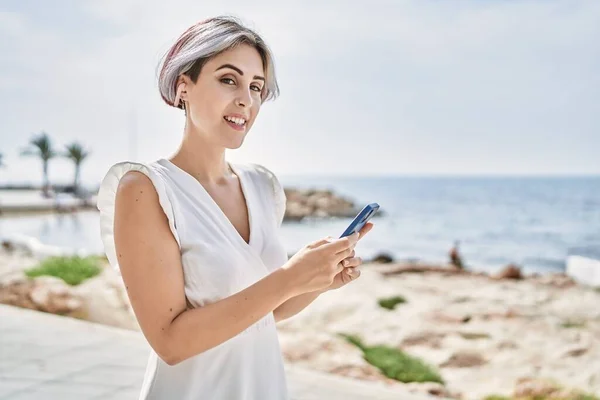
(41, 146)
(76, 152)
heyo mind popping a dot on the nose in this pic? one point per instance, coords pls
(244, 98)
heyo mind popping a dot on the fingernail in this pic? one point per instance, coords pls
(351, 271)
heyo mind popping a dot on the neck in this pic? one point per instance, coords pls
(203, 160)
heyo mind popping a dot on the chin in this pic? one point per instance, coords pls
(234, 143)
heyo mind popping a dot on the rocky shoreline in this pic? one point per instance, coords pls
(484, 334)
(311, 203)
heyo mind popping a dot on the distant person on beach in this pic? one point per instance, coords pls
(455, 257)
(196, 237)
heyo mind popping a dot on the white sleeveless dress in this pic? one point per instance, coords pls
(217, 263)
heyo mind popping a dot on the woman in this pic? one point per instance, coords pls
(196, 237)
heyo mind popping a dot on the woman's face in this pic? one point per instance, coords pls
(227, 96)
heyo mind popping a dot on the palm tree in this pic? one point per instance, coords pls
(41, 146)
(76, 153)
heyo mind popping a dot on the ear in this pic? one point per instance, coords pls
(180, 89)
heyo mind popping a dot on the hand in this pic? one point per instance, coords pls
(315, 266)
(350, 264)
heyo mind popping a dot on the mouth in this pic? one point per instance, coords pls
(237, 123)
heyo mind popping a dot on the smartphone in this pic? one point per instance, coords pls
(361, 219)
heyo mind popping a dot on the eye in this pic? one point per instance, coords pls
(257, 88)
(224, 80)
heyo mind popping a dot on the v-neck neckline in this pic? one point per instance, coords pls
(218, 209)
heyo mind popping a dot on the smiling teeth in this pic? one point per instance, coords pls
(237, 121)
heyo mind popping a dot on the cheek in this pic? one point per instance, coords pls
(209, 112)
(255, 110)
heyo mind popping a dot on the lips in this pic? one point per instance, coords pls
(235, 125)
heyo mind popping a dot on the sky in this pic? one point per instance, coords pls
(423, 87)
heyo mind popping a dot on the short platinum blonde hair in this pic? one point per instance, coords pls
(203, 41)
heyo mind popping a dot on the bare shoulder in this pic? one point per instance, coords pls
(135, 182)
(137, 192)
(138, 210)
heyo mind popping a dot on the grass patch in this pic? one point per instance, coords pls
(573, 324)
(474, 336)
(72, 270)
(391, 302)
(495, 397)
(394, 363)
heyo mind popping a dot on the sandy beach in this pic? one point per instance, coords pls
(482, 334)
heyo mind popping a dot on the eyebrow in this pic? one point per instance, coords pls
(239, 71)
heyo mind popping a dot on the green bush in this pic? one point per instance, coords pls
(391, 302)
(394, 363)
(73, 270)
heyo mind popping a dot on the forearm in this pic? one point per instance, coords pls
(197, 330)
(295, 304)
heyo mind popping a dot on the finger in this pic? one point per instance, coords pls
(341, 244)
(354, 238)
(353, 273)
(352, 262)
(343, 255)
(348, 262)
(352, 253)
(365, 229)
(321, 242)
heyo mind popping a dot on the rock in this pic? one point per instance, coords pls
(8, 246)
(506, 344)
(13, 278)
(46, 294)
(511, 271)
(540, 388)
(54, 296)
(105, 301)
(559, 280)
(450, 319)
(464, 359)
(383, 258)
(316, 204)
(365, 372)
(508, 314)
(17, 294)
(429, 339)
(432, 389)
(574, 351)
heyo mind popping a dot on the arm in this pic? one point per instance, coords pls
(150, 262)
(296, 304)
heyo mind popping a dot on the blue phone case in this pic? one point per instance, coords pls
(361, 219)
